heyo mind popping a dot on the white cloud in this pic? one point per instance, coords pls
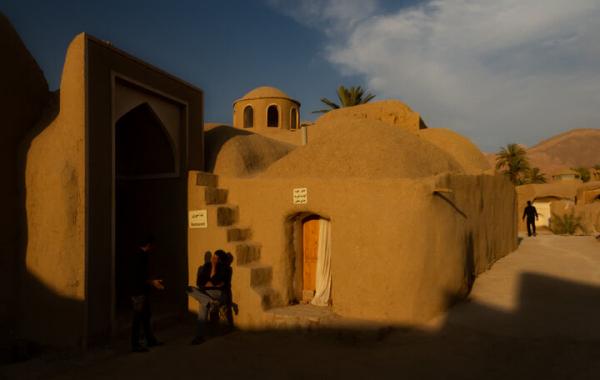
(331, 16)
(498, 71)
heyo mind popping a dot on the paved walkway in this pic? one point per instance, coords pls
(535, 315)
(549, 287)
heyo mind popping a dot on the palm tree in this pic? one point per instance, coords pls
(535, 175)
(513, 159)
(348, 97)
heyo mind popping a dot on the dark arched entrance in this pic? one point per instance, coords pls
(146, 203)
(143, 146)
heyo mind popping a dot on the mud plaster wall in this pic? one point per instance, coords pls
(53, 285)
(23, 96)
(585, 196)
(590, 214)
(65, 293)
(400, 253)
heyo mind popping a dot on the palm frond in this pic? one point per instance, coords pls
(512, 160)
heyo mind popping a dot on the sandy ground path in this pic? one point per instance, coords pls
(535, 315)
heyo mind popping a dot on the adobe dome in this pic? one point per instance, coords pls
(461, 148)
(390, 111)
(367, 149)
(265, 92)
(233, 152)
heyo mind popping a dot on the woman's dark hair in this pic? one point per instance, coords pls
(222, 256)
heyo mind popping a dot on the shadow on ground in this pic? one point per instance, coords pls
(553, 334)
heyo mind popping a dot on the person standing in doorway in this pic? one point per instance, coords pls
(531, 214)
(142, 285)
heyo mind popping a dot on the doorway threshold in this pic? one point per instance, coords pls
(302, 316)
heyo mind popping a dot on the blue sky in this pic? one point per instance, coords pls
(496, 71)
(225, 47)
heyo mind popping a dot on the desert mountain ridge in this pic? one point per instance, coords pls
(577, 147)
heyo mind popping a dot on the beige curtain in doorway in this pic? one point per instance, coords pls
(323, 288)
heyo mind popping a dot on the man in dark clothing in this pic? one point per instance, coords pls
(141, 287)
(213, 284)
(531, 214)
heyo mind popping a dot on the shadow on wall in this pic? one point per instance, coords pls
(215, 138)
(552, 334)
(30, 291)
(23, 94)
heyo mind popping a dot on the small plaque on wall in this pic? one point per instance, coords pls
(300, 196)
(198, 219)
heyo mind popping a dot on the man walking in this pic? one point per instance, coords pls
(531, 214)
(142, 285)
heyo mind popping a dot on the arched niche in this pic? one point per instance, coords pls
(143, 146)
(272, 116)
(293, 118)
(248, 117)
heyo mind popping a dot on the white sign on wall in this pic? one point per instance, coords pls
(300, 196)
(198, 219)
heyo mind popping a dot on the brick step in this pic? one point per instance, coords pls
(269, 298)
(260, 274)
(246, 253)
(236, 234)
(226, 215)
(213, 195)
(207, 179)
(222, 216)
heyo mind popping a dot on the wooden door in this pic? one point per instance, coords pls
(310, 247)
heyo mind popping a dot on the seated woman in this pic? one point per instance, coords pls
(213, 283)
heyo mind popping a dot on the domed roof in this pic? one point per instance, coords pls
(459, 147)
(233, 152)
(391, 152)
(390, 111)
(265, 92)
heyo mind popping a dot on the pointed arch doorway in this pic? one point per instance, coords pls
(146, 175)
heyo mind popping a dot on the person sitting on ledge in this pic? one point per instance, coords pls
(213, 284)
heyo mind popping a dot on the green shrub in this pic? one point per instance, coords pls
(584, 173)
(566, 224)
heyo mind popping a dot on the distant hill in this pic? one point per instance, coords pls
(577, 147)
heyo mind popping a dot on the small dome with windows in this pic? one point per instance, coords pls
(269, 111)
(265, 92)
